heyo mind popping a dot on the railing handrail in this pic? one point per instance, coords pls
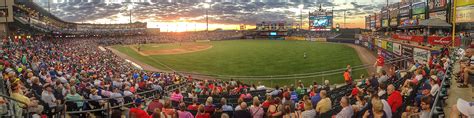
(10, 98)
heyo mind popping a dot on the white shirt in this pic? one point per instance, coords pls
(346, 112)
(386, 108)
(434, 89)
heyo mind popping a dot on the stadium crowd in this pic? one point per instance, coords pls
(46, 73)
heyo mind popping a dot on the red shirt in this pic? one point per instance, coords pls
(193, 107)
(395, 100)
(205, 115)
(354, 91)
(139, 113)
(380, 61)
(266, 104)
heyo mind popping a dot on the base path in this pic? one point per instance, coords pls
(365, 56)
(143, 65)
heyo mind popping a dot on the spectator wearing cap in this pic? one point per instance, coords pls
(48, 96)
(137, 112)
(182, 113)
(30, 103)
(347, 111)
(425, 91)
(324, 104)
(434, 85)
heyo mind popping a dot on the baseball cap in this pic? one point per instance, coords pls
(426, 87)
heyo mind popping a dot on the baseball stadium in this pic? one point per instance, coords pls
(236, 59)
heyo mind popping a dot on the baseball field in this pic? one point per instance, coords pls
(271, 62)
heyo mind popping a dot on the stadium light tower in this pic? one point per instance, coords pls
(207, 6)
(301, 6)
(130, 7)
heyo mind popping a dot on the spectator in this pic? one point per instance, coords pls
(176, 96)
(276, 109)
(194, 106)
(256, 110)
(73, 96)
(425, 91)
(117, 96)
(347, 76)
(425, 107)
(376, 111)
(182, 113)
(267, 102)
(154, 104)
(137, 112)
(209, 107)
(48, 97)
(394, 98)
(324, 104)
(382, 93)
(383, 77)
(167, 109)
(434, 85)
(315, 99)
(201, 113)
(308, 112)
(225, 106)
(31, 103)
(243, 113)
(379, 63)
(276, 92)
(239, 101)
(347, 111)
(361, 105)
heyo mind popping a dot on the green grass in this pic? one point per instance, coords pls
(258, 58)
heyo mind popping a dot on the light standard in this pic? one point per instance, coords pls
(301, 6)
(207, 6)
(130, 7)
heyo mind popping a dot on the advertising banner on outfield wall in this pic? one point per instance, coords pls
(407, 51)
(383, 44)
(379, 43)
(397, 48)
(421, 55)
(440, 14)
(389, 46)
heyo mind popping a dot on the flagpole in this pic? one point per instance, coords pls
(454, 24)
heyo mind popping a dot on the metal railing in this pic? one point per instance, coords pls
(150, 94)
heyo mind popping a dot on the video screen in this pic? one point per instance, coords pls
(273, 33)
(320, 22)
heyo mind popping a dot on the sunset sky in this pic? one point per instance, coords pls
(189, 15)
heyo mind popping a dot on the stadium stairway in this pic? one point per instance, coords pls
(455, 92)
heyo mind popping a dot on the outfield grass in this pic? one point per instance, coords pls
(258, 58)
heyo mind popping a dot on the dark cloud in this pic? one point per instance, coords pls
(220, 12)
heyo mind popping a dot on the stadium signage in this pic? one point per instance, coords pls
(436, 5)
(421, 55)
(440, 14)
(405, 10)
(461, 3)
(418, 39)
(418, 8)
(393, 22)
(384, 44)
(464, 14)
(397, 48)
(437, 40)
(389, 46)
